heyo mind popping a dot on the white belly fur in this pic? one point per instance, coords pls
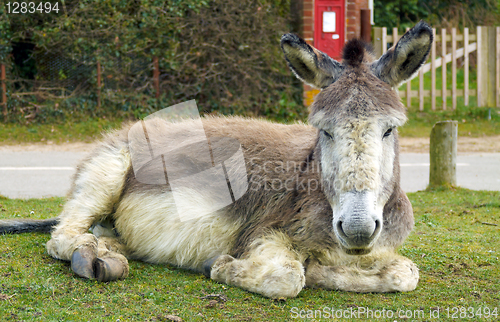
(151, 228)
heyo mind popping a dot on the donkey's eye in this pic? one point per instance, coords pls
(328, 135)
(388, 132)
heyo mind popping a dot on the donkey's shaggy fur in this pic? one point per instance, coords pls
(324, 207)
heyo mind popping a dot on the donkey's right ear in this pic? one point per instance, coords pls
(309, 64)
(404, 59)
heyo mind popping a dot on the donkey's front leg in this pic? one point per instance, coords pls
(384, 272)
(270, 267)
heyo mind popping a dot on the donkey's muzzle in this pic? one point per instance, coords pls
(359, 223)
(359, 234)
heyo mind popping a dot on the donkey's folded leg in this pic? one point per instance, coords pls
(110, 264)
(271, 268)
(390, 273)
(96, 189)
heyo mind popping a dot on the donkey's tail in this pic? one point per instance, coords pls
(18, 226)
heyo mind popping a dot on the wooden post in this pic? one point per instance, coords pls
(408, 89)
(4, 91)
(454, 68)
(156, 76)
(487, 51)
(395, 36)
(497, 87)
(479, 75)
(443, 154)
(466, 66)
(98, 85)
(491, 100)
(384, 40)
(443, 67)
(433, 71)
(377, 41)
(366, 25)
(421, 89)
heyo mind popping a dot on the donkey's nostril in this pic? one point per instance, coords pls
(340, 230)
(377, 228)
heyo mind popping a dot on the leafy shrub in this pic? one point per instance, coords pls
(223, 53)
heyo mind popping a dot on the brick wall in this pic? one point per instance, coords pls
(308, 35)
(353, 17)
(308, 21)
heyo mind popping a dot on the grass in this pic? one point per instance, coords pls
(456, 252)
(83, 131)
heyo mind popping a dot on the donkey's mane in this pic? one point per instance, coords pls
(354, 52)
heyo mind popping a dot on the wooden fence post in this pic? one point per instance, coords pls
(408, 89)
(479, 75)
(4, 91)
(377, 37)
(491, 100)
(433, 71)
(487, 61)
(443, 154)
(454, 68)
(466, 66)
(497, 88)
(443, 68)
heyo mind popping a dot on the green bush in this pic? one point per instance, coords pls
(223, 53)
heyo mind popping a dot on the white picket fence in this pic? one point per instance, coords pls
(485, 42)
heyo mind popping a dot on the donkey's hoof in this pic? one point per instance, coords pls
(110, 269)
(82, 262)
(207, 265)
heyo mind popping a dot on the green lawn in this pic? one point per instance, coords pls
(454, 244)
(83, 131)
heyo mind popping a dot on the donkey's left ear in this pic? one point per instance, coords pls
(400, 62)
(309, 64)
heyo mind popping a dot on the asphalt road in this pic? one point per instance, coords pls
(38, 174)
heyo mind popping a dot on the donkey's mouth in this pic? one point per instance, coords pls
(357, 251)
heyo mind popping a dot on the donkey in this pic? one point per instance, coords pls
(323, 207)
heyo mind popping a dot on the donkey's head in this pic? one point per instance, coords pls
(357, 113)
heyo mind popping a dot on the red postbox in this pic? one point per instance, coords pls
(329, 24)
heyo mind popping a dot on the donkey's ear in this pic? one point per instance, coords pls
(400, 62)
(309, 64)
